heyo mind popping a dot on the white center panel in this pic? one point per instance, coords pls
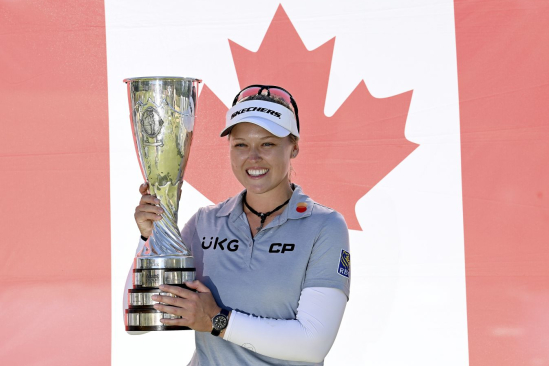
(407, 302)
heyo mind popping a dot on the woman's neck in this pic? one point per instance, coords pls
(268, 201)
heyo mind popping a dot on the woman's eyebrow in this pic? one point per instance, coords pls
(261, 138)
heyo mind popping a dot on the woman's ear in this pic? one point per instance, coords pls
(295, 151)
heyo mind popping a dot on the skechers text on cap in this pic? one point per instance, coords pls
(275, 118)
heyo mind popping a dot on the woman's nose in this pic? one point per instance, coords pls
(254, 154)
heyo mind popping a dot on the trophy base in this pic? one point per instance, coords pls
(154, 328)
(148, 319)
(150, 272)
(153, 271)
(142, 298)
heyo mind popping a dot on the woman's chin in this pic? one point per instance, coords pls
(261, 187)
(257, 188)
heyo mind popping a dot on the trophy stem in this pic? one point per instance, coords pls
(165, 237)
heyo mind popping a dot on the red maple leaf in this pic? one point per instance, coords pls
(341, 157)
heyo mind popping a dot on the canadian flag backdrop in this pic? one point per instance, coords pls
(425, 122)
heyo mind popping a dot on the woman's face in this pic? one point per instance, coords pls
(259, 159)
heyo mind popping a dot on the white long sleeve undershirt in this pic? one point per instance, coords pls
(307, 338)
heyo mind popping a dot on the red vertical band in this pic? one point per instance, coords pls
(503, 68)
(54, 168)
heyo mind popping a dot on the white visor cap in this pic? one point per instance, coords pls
(274, 117)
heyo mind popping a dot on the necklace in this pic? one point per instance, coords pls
(262, 215)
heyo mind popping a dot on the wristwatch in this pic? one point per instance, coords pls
(220, 321)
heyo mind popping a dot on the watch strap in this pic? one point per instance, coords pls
(224, 313)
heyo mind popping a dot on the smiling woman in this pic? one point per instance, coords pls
(278, 294)
(261, 163)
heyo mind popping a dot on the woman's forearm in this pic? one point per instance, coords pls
(307, 338)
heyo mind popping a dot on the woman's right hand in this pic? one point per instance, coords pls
(147, 212)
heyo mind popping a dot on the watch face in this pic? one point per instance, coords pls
(219, 322)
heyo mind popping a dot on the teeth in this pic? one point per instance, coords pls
(256, 172)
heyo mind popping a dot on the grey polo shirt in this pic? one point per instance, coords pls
(305, 246)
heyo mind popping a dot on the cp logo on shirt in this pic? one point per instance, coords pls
(281, 248)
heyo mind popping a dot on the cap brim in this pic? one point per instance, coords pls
(270, 126)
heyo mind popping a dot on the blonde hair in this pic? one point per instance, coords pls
(269, 98)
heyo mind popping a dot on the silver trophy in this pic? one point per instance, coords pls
(162, 113)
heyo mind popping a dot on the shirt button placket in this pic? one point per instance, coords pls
(247, 239)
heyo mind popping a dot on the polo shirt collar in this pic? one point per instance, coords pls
(232, 207)
(300, 206)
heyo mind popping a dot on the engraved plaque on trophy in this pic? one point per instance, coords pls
(162, 113)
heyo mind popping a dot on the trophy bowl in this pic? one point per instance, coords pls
(162, 114)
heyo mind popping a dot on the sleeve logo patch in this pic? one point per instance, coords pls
(344, 267)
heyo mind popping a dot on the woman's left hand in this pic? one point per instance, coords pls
(195, 308)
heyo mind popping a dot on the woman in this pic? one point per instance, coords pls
(272, 266)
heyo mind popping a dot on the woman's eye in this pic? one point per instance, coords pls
(268, 144)
(239, 145)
